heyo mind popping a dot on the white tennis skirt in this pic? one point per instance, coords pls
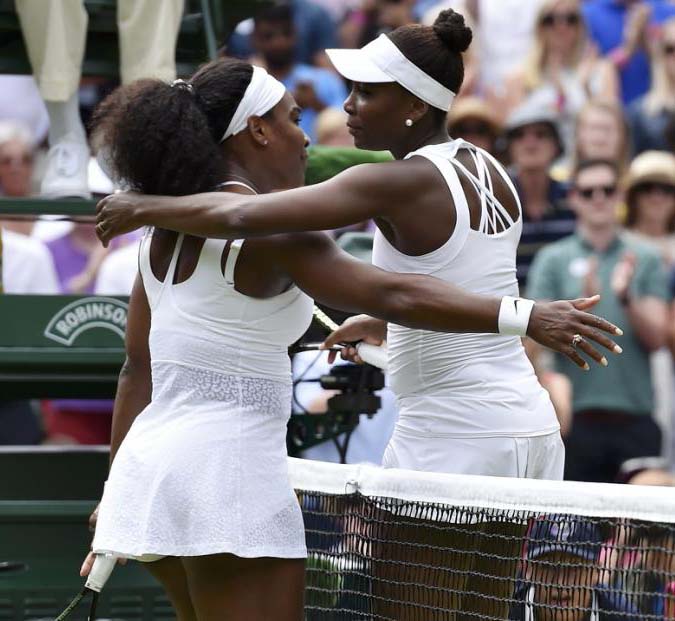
(535, 457)
(204, 470)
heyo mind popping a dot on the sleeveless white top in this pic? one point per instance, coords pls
(465, 385)
(203, 469)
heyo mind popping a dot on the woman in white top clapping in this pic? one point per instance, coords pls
(562, 70)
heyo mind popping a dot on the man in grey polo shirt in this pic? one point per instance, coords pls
(613, 408)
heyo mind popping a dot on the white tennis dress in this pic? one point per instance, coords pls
(468, 403)
(203, 469)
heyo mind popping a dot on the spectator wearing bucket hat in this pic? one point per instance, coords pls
(472, 119)
(563, 557)
(650, 201)
(533, 144)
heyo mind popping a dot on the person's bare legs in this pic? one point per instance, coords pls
(170, 573)
(224, 587)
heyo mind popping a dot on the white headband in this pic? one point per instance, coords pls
(262, 94)
(382, 61)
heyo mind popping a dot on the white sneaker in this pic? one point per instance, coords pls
(66, 171)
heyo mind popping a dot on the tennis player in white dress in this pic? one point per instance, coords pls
(204, 466)
(468, 403)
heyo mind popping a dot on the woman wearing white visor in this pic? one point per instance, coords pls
(469, 403)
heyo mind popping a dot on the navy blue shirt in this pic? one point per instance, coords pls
(605, 20)
(557, 222)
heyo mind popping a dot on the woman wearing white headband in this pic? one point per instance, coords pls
(421, 224)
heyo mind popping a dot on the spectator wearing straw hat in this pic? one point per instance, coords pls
(533, 144)
(650, 219)
(612, 411)
(472, 119)
(650, 201)
(563, 575)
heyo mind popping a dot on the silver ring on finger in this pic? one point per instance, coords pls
(576, 339)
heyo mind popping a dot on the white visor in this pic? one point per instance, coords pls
(381, 61)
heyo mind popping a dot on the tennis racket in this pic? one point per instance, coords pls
(100, 572)
(372, 354)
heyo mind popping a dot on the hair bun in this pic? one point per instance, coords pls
(451, 29)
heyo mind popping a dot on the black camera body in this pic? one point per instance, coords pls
(357, 384)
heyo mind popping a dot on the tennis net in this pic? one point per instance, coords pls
(396, 545)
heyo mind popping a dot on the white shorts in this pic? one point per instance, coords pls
(537, 457)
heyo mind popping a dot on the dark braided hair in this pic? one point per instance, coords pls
(164, 139)
(437, 50)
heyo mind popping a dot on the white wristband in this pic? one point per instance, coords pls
(514, 315)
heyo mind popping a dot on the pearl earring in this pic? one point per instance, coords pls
(408, 123)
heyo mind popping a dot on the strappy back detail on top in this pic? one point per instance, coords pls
(494, 217)
(468, 385)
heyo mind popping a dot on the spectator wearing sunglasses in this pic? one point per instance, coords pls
(650, 219)
(561, 71)
(650, 201)
(533, 144)
(650, 115)
(612, 411)
(472, 119)
(620, 29)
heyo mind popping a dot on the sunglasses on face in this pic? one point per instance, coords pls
(588, 193)
(654, 186)
(550, 19)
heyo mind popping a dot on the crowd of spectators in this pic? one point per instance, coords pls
(575, 97)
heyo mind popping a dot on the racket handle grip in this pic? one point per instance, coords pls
(373, 354)
(100, 571)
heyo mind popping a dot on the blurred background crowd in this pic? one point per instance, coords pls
(575, 97)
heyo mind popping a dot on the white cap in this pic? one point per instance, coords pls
(381, 61)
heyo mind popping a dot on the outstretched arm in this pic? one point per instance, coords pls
(334, 278)
(358, 194)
